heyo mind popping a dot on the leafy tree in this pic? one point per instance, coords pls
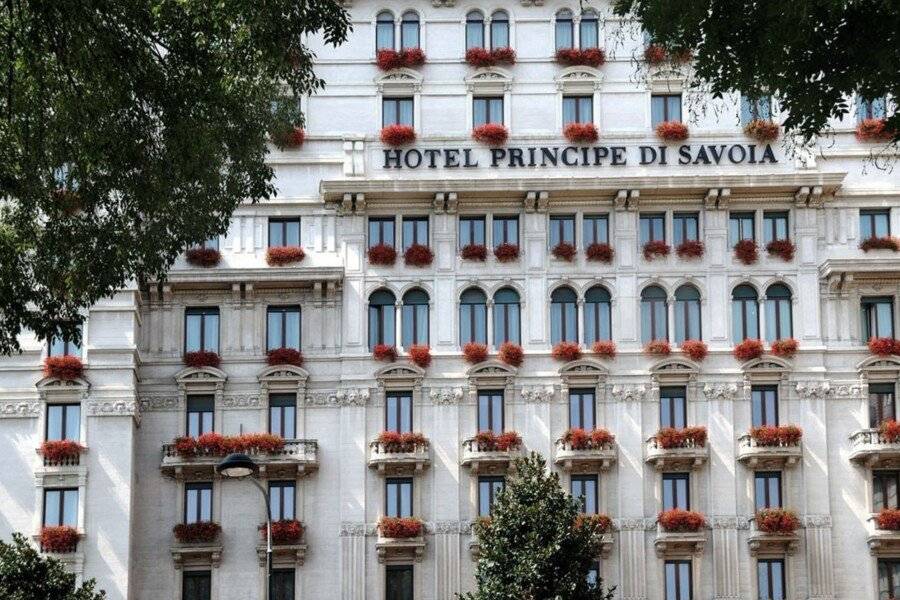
(130, 129)
(534, 547)
(812, 55)
(26, 575)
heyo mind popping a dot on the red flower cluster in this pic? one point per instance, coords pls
(884, 346)
(287, 531)
(748, 350)
(400, 527)
(475, 353)
(277, 256)
(474, 252)
(391, 59)
(511, 354)
(600, 252)
(418, 255)
(63, 367)
(384, 352)
(481, 57)
(488, 441)
(216, 444)
(880, 243)
(203, 257)
(588, 57)
(382, 254)
(873, 130)
(677, 520)
(774, 435)
(604, 349)
(656, 248)
(201, 358)
(594, 439)
(655, 54)
(56, 451)
(289, 137)
(566, 351)
(672, 131)
(670, 437)
(61, 539)
(564, 251)
(695, 349)
(506, 252)
(492, 134)
(284, 356)
(777, 520)
(392, 441)
(782, 248)
(202, 532)
(581, 133)
(785, 348)
(658, 348)
(888, 518)
(420, 354)
(398, 135)
(598, 524)
(690, 249)
(746, 252)
(762, 130)
(889, 430)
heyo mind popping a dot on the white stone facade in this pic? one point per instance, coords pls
(133, 393)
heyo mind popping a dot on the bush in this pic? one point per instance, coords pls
(655, 248)
(677, 520)
(581, 133)
(773, 436)
(746, 252)
(690, 249)
(670, 437)
(694, 349)
(658, 348)
(566, 351)
(400, 527)
(398, 135)
(384, 352)
(785, 348)
(782, 248)
(382, 254)
(277, 256)
(506, 252)
(880, 243)
(672, 131)
(748, 350)
(564, 251)
(475, 352)
(63, 367)
(203, 257)
(418, 255)
(762, 130)
(202, 532)
(474, 252)
(284, 356)
(201, 358)
(604, 349)
(600, 252)
(777, 520)
(57, 451)
(491, 134)
(421, 355)
(60, 539)
(511, 354)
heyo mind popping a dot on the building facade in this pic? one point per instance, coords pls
(535, 241)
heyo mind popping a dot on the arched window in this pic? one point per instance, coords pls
(474, 30)
(779, 324)
(499, 30)
(409, 30)
(565, 29)
(415, 318)
(506, 316)
(472, 317)
(589, 30)
(687, 314)
(381, 318)
(563, 316)
(654, 316)
(744, 313)
(597, 315)
(384, 31)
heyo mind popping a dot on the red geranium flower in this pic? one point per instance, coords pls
(589, 57)
(66, 367)
(60, 539)
(412, 57)
(491, 134)
(889, 519)
(785, 348)
(506, 252)
(782, 248)
(880, 243)
(278, 256)
(695, 349)
(600, 252)
(654, 54)
(511, 354)
(658, 348)
(203, 257)
(762, 130)
(284, 356)
(883, 346)
(504, 56)
(604, 349)
(474, 252)
(475, 353)
(746, 252)
(564, 251)
(418, 255)
(772, 435)
(777, 521)
(889, 430)
(480, 57)
(690, 249)
(384, 352)
(672, 131)
(388, 59)
(581, 133)
(57, 451)
(677, 520)
(382, 254)
(202, 532)
(421, 355)
(748, 350)
(400, 527)
(566, 351)
(288, 137)
(287, 531)
(655, 248)
(873, 130)
(398, 135)
(201, 358)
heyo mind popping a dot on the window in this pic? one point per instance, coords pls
(283, 415)
(381, 318)
(595, 229)
(499, 30)
(888, 578)
(396, 111)
(201, 329)
(755, 108)
(581, 409)
(409, 30)
(597, 315)
(284, 232)
(654, 315)
(744, 314)
(398, 412)
(687, 314)
(474, 30)
(283, 327)
(884, 490)
(562, 229)
(678, 580)
(63, 422)
(882, 403)
(487, 110)
(778, 313)
(281, 500)
(506, 230)
(384, 31)
(472, 317)
(281, 582)
(874, 223)
(415, 231)
(490, 411)
(197, 502)
(775, 226)
(593, 575)
(877, 317)
(764, 400)
(740, 227)
(196, 585)
(211, 244)
(61, 507)
(588, 30)
(578, 109)
(871, 109)
(563, 315)
(565, 29)
(507, 315)
(488, 490)
(672, 407)
(584, 490)
(62, 347)
(676, 491)
(399, 582)
(414, 315)
(398, 498)
(664, 107)
(767, 489)
(381, 231)
(471, 231)
(653, 228)
(685, 227)
(770, 579)
(199, 415)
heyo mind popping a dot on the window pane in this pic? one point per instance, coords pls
(657, 110)
(211, 333)
(569, 112)
(499, 34)
(564, 34)
(409, 34)
(474, 34)
(193, 324)
(384, 34)
(588, 33)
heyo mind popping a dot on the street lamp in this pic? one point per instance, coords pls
(238, 466)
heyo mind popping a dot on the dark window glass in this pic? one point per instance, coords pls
(562, 229)
(507, 316)
(381, 231)
(399, 582)
(588, 30)
(487, 110)
(767, 489)
(384, 31)
(770, 579)
(871, 109)
(499, 30)
(877, 317)
(415, 231)
(882, 403)
(672, 407)
(676, 491)
(414, 315)
(744, 314)
(490, 411)
(474, 30)
(653, 228)
(874, 223)
(398, 498)
(398, 412)
(488, 490)
(565, 29)
(381, 318)
(755, 108)
(196, 585)
(397, 111)
(884, 490)
(199, 415)
(283, 415)
(61, 347)
(654, 315)
(778, 313)
(593, 575)
(578, 109)
(584, 490)
(563, 315)
(595, 229)
(197, 502)
(505, 230)
(472, 317)
(284, 232)
(282, 584)
(282, 496)
(201, 329)
(471, 231)
(741, 227)
(409, 30)
(61, 507)
(63, 422)
(283, 327)
(665, 107)
(597, 315)
(685, 227)
(678, 580)
(687, 314)
(888, 578)
(764, 405)
(775, 226)
(581, 408)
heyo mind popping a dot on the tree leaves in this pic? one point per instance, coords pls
(26, 575)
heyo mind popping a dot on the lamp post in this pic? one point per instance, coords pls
(238, 466)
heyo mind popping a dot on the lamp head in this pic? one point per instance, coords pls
(236, 465)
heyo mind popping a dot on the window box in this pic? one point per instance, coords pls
(785, 348)
(604, 349)
(201, 532)
(398, 135)
(399, 453)
(598, 252)
(506, 252)
(203, 257)
(489, 452)
(63, 367)
(873, 130)
(876, 448)
(655, 54)
(382, 254)
(284, 356)
(287, 138)
(762, 130)
(59, 540)
(602, 527)
(418, 255)
(388, 60)
(566, 351)
(511, 354)
(884, 346)
(748, 350)
(655, 248)
(490, 134)
(770, 447)
(474, 252)
(395, 545)
(746, 252)
(696, 350)
(690, 249)
(781, 248)
(475, 353)
(278, 256)
(672, 131)
(673, 449)
(581, 133)
(564, 251)
(883, 534)
(588, 57)
(580, 451)
(384, 353)
(284, 532)
(420, 355)
(186, 457)
(201, 358)
(658, 348)
(481, 57)
(58, 453)
(880, 243)
(680, 532)
(774, 531)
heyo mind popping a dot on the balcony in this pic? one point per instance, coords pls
(400, 457)
(870, 448)
(282, 554)
(679, 543)
(295, 458)
(687, 450)
(400, 540)
(574, 455)
(884, 533)
(756, 455)
(481, 455)
(197, 545)
(774, 531)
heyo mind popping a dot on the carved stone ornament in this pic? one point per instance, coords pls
(350, 397)
(160, 403)
(113, 408)
(352, 529)
(722, 391)
(729, 522)
(637, 524)
(241, 401)
(538, 394)
(450, 527)
(633, 393)
(446, 396)
(817, 521)
(815, 390)
(15, 409)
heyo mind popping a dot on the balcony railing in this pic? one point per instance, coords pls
(882, 542)
(580, 459)
(869, 447)
(482, 460)
(672, 543)
(389, 459)
(767, 456)
(688, 455)
(297, 456)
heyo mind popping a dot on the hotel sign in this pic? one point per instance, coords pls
(578, 156)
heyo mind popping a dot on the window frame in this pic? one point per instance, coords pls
(563, 312)
(877, 391)
(881, 481)
(873, 216)
(502, 317)
(651, 304)
(64, 407)
(495, 20)
(403, 409)
(743, 312)
(771, 221)
(680, 228)
(382, 25)
(587, 482)
(765, 478)
(870, 314)
(777, 305)
(489, 400)
(890, 567)
(594, 310)
(199, 487)
(415, 222)
(676, 593)
(286, 576)
(196, 398)
(684, 307)
(399, 484)
(397, 102)
(383, 223)
(652, 219)
(672, 405)
(668, 102)
(419, 320)
(283, 312)
(383, 313)
(284, 223)
(61, 506)
(764, 399)
(769, 564)
(190, 575)
(739, 219)
(404, 23)
(471, 23)
(490, 482)
(403, 594)
(282, 489)
(279, 403)
(563, 18)
(582, 102)
(475, 309)
(504, 221)
(585, 398)
(203, 312)
(472, 223)
(488, 102)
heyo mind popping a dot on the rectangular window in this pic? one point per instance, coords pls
(678, 580)
(398, 496)
(581, 408)
(562, 229)
(398, 412)
(672, 407)
(211, 244)
(61, 507)
(888, 578)
(487, 110)
(578, 109)
(196, 585)
(664, 107)
(685, 227)
(653, 227)
(770, 579)
(284, 232)
(767, 489)
(596, 229)
(199, 415)
(755, 108)
(381, 231)
(283, 415)
(415, 231)
(775, 226)
(676, 491)
(593, 575)
(488, 490)
(63, 422)
(61, 347)
(882, 403)
(490, 411)
(399, 582)
(282, 495)
(874, 223)
(396, 111)
(871, 109)
(584, 490)
(283, 327)
(281, 583)
(741, 227)
(201, 329)
(877, 317)
(471, 231)
(884, 490)
(197, 502)
(764, 399)
(505, 230)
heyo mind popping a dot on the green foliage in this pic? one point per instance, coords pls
(531, 548)
(812, 55)
(26, 575)
(130, 129)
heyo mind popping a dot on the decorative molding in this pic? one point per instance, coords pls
(722, 391)
(450, 527)
(814, 390)
(353, 529)
(729, 522)
(346, 397)
(160, 403)
(538, 394)
(446, 396)
(17, 409)
(634, 393)
(817, 521)
(114, 408)
(636, 524)
(241, 401)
